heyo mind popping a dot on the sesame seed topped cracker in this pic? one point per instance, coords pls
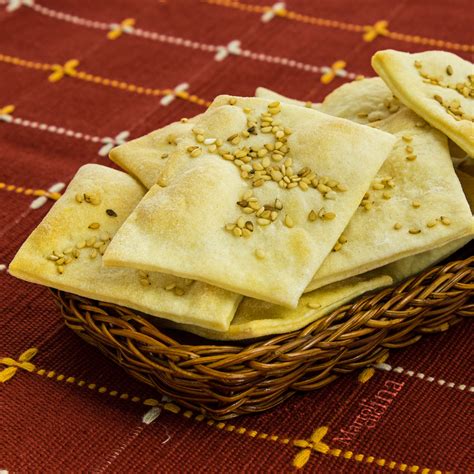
(65, 252)
(272, 165)
(437, 85)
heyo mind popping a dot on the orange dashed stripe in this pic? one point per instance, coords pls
(29, 191)
(314, 444)
(313, 20)
(104, 81)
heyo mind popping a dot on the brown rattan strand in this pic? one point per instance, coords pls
(224, 380)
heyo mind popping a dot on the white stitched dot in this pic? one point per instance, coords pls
(461, 387)
(441, 381)
(410, 373)
(430, 379)
(420, 375)
(399, 370)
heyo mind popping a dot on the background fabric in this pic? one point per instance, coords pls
(76, 78)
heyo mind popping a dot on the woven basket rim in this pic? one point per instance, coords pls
(223, 380)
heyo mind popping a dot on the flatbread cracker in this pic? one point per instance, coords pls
(268, 94)
(410, 266)
(255, 221)
(255, 318)
(364, 101)
(437, 85)
(64, 252)
(413, 205)
(146, 156)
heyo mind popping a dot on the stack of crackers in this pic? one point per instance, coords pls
(265, 213)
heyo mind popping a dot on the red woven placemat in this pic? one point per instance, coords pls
(139, 65)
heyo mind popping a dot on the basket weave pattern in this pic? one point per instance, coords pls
(224, 381)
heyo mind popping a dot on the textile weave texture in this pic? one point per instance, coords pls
(77, 78)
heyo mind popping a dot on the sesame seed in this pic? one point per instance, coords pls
(329, 216)
(313, 305)
(93, 254)
(79, 198)
(60, 261)
(431, 223)
(209, 141)
(164, 156)
(249, 226)
(416, 204)
(449, 70)
(378, 186)
(246, 233)
(330, 195)
(144, 282)
(343, 239)
(407, 139)
(94, 225)
(92, 199)
(104, 236)
(199, 138)
(52, 257)
(272, 105)
(397, 226)
(247, 110)
(111, 213)
(266, 129)
(308, 105)
(241, 222)
(171, 139)
(289, 221)
(303, 186)
(362, 114)
(76, 253)
(312, 216)
(196, 152)
(90, 242)
(411, 157)
(237, 231)
(438, 98)
(387, 195)
(278, 204)
(260, 254)
(337, 247)
(445, 220)
(232, 101)
(418, 64)
(60, 269)
(178, 291)
(341, 187)
(273, 215)
(409, 149)
(81, 244)
(170, 286)
(414, 230)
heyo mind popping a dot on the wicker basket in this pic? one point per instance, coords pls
(224, 381)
